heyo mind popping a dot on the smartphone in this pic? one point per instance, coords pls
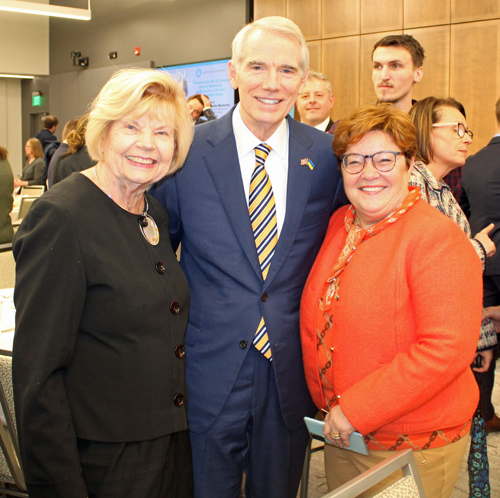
(315, 428)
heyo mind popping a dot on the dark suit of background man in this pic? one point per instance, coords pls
(481, 202)
(245, 411)
(49, 128)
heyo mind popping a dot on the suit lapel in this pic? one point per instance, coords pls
(300, 179)
(223, 165)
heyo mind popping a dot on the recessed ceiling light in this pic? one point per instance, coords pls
(19, 76)
(46, 10)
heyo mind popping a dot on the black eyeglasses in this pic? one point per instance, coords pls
(384, 161)
(461, 130)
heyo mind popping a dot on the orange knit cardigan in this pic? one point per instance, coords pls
(405, 327)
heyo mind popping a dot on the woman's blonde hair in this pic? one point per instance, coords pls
(138, 92)
(36, 147)
(383, 117)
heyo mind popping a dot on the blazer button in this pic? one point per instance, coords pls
(180, 351)
(175, 308)
(243, 344)
(160, 268)
(179, 399)
(264, 297)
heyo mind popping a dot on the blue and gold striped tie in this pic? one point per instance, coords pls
(262, 209)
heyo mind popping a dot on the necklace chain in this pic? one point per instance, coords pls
(147, 224)
(146, 205)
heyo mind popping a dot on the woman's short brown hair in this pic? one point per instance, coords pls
(424, 114)
(384, 117)
(36, 147)
(138, 92)
(3, 153)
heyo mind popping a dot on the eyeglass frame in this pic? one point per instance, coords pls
(457, 124)
(365, 157)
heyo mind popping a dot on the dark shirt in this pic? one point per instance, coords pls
(454, 180)
(76, 162)
(62, 149)
(45, 136)
(6, 200)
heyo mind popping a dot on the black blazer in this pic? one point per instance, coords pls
(79, 161)
(481, 196)
(95, 350)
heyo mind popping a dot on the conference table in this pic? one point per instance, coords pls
(7, 321)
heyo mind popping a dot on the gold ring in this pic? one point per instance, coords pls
(335, 435)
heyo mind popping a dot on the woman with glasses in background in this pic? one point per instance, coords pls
(442, 142)
(388, 325)
(34, 168)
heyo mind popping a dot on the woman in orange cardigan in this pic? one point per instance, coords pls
(390, 313)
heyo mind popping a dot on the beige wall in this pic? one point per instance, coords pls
(10, 121)
(461, 39)
(25, 50)
(25, 43)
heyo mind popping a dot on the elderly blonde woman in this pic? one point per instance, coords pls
(102, 307)
(34, 167)
(390, 313)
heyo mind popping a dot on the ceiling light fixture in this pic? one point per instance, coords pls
(46, 10)
(19, 76)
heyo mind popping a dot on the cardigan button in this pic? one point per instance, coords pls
(179, 399)
(160, 267)
(175, 308)
(180, 351)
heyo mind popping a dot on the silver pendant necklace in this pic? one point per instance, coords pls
(147, 224)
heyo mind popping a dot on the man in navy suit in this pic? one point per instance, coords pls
(248, 396)
(480, 200)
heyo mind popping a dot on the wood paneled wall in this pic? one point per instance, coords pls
(461, 39)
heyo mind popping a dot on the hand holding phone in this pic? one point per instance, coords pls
(356, 440)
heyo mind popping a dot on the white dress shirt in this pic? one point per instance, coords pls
(276, 162)
(322, 126)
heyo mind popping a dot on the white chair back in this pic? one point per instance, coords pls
(32, 190)
(410, 486)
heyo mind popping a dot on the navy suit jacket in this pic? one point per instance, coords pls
(480, 198)
(209, 215)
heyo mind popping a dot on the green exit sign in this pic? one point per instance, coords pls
(36, 99)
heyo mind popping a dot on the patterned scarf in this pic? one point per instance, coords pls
(356, 235)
